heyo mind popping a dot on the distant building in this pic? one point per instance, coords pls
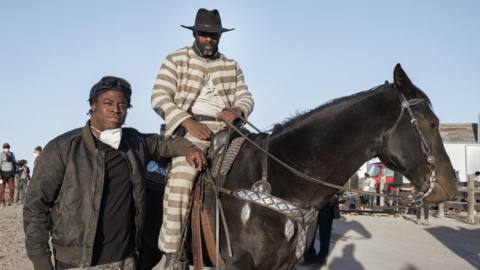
(459, 133)
(461, 142)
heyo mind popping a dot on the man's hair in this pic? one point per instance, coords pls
(38, 149)
(477, 173)
(110, 83)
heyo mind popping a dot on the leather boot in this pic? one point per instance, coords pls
(172, 263)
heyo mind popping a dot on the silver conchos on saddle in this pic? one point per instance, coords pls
(245, 214)
(262, 186)
(289, 229)
(302, 217)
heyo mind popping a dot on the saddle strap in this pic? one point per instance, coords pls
(196, 234)
(210, 241)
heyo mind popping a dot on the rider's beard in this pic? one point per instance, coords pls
(207, 51)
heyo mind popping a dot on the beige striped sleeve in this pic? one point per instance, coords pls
(163, 95)
(243, 97)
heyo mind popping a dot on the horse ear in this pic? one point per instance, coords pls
(400, 78)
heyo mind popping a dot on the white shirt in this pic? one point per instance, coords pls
(208, 101)
(369, 184)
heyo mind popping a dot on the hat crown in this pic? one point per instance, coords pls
(208, 18)
(208, 21)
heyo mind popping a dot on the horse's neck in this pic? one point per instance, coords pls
(333, 143)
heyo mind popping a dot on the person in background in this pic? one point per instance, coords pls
(7, 174)
(369, 186)
(477, 178)
(195, 89)
(418, 210)
(22, 182)
(88, 193)
(325, 218)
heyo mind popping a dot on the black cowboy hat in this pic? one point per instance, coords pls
(208, 21)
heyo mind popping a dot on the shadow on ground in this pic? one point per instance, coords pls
(461, 241)
(339, 233)
(347, 261)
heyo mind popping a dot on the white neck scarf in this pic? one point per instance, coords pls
(110, 137)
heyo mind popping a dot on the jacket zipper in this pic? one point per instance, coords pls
(88, 227)
(136, 236)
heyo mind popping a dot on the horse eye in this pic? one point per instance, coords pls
(433, 125)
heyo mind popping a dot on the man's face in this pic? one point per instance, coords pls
(6, 150)
(207, 43)
(109, 111)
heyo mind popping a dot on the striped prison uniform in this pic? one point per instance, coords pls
(178, 83)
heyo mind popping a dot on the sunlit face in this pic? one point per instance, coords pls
(207, 43)
(109, 111)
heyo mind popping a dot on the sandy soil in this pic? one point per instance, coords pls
(358, 242)
(387, 242)
(12, 245)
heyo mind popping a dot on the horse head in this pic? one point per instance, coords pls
(413, 145)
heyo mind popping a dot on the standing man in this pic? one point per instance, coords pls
(369, 186)
(326, 214)
(195, 87)
(87, 189)
(23, 176)
(8, 169)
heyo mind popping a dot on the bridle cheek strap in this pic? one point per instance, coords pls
(426, 150)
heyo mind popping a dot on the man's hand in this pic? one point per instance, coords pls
(195, 158)
(230, 114)
(197, 129)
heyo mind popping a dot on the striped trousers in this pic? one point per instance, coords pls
(178, 192)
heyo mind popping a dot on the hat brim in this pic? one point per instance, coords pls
(208, 29)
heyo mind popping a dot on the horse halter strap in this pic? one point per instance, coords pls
(406, 105)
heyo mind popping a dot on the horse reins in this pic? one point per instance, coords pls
(405, 105)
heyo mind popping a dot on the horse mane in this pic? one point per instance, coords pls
(300, 117)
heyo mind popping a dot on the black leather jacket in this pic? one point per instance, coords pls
(64, 195)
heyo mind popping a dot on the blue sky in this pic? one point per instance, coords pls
(295, 55)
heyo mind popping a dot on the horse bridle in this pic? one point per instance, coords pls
(406, 105)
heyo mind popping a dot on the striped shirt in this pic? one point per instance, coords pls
(182, 76)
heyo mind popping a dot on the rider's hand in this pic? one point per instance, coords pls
(195, 158)
(230, 114)
(198, 130)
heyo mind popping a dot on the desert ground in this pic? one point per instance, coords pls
(367, 242)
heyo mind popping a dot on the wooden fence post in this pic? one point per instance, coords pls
(382, 199)
(471, 199)
(441, 210)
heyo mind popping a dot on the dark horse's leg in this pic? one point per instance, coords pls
(150, 255)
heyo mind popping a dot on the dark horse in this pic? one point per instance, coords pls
(330, 143)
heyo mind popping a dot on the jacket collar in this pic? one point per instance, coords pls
(88, 136)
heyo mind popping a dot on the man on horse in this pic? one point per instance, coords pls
(195, 88)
